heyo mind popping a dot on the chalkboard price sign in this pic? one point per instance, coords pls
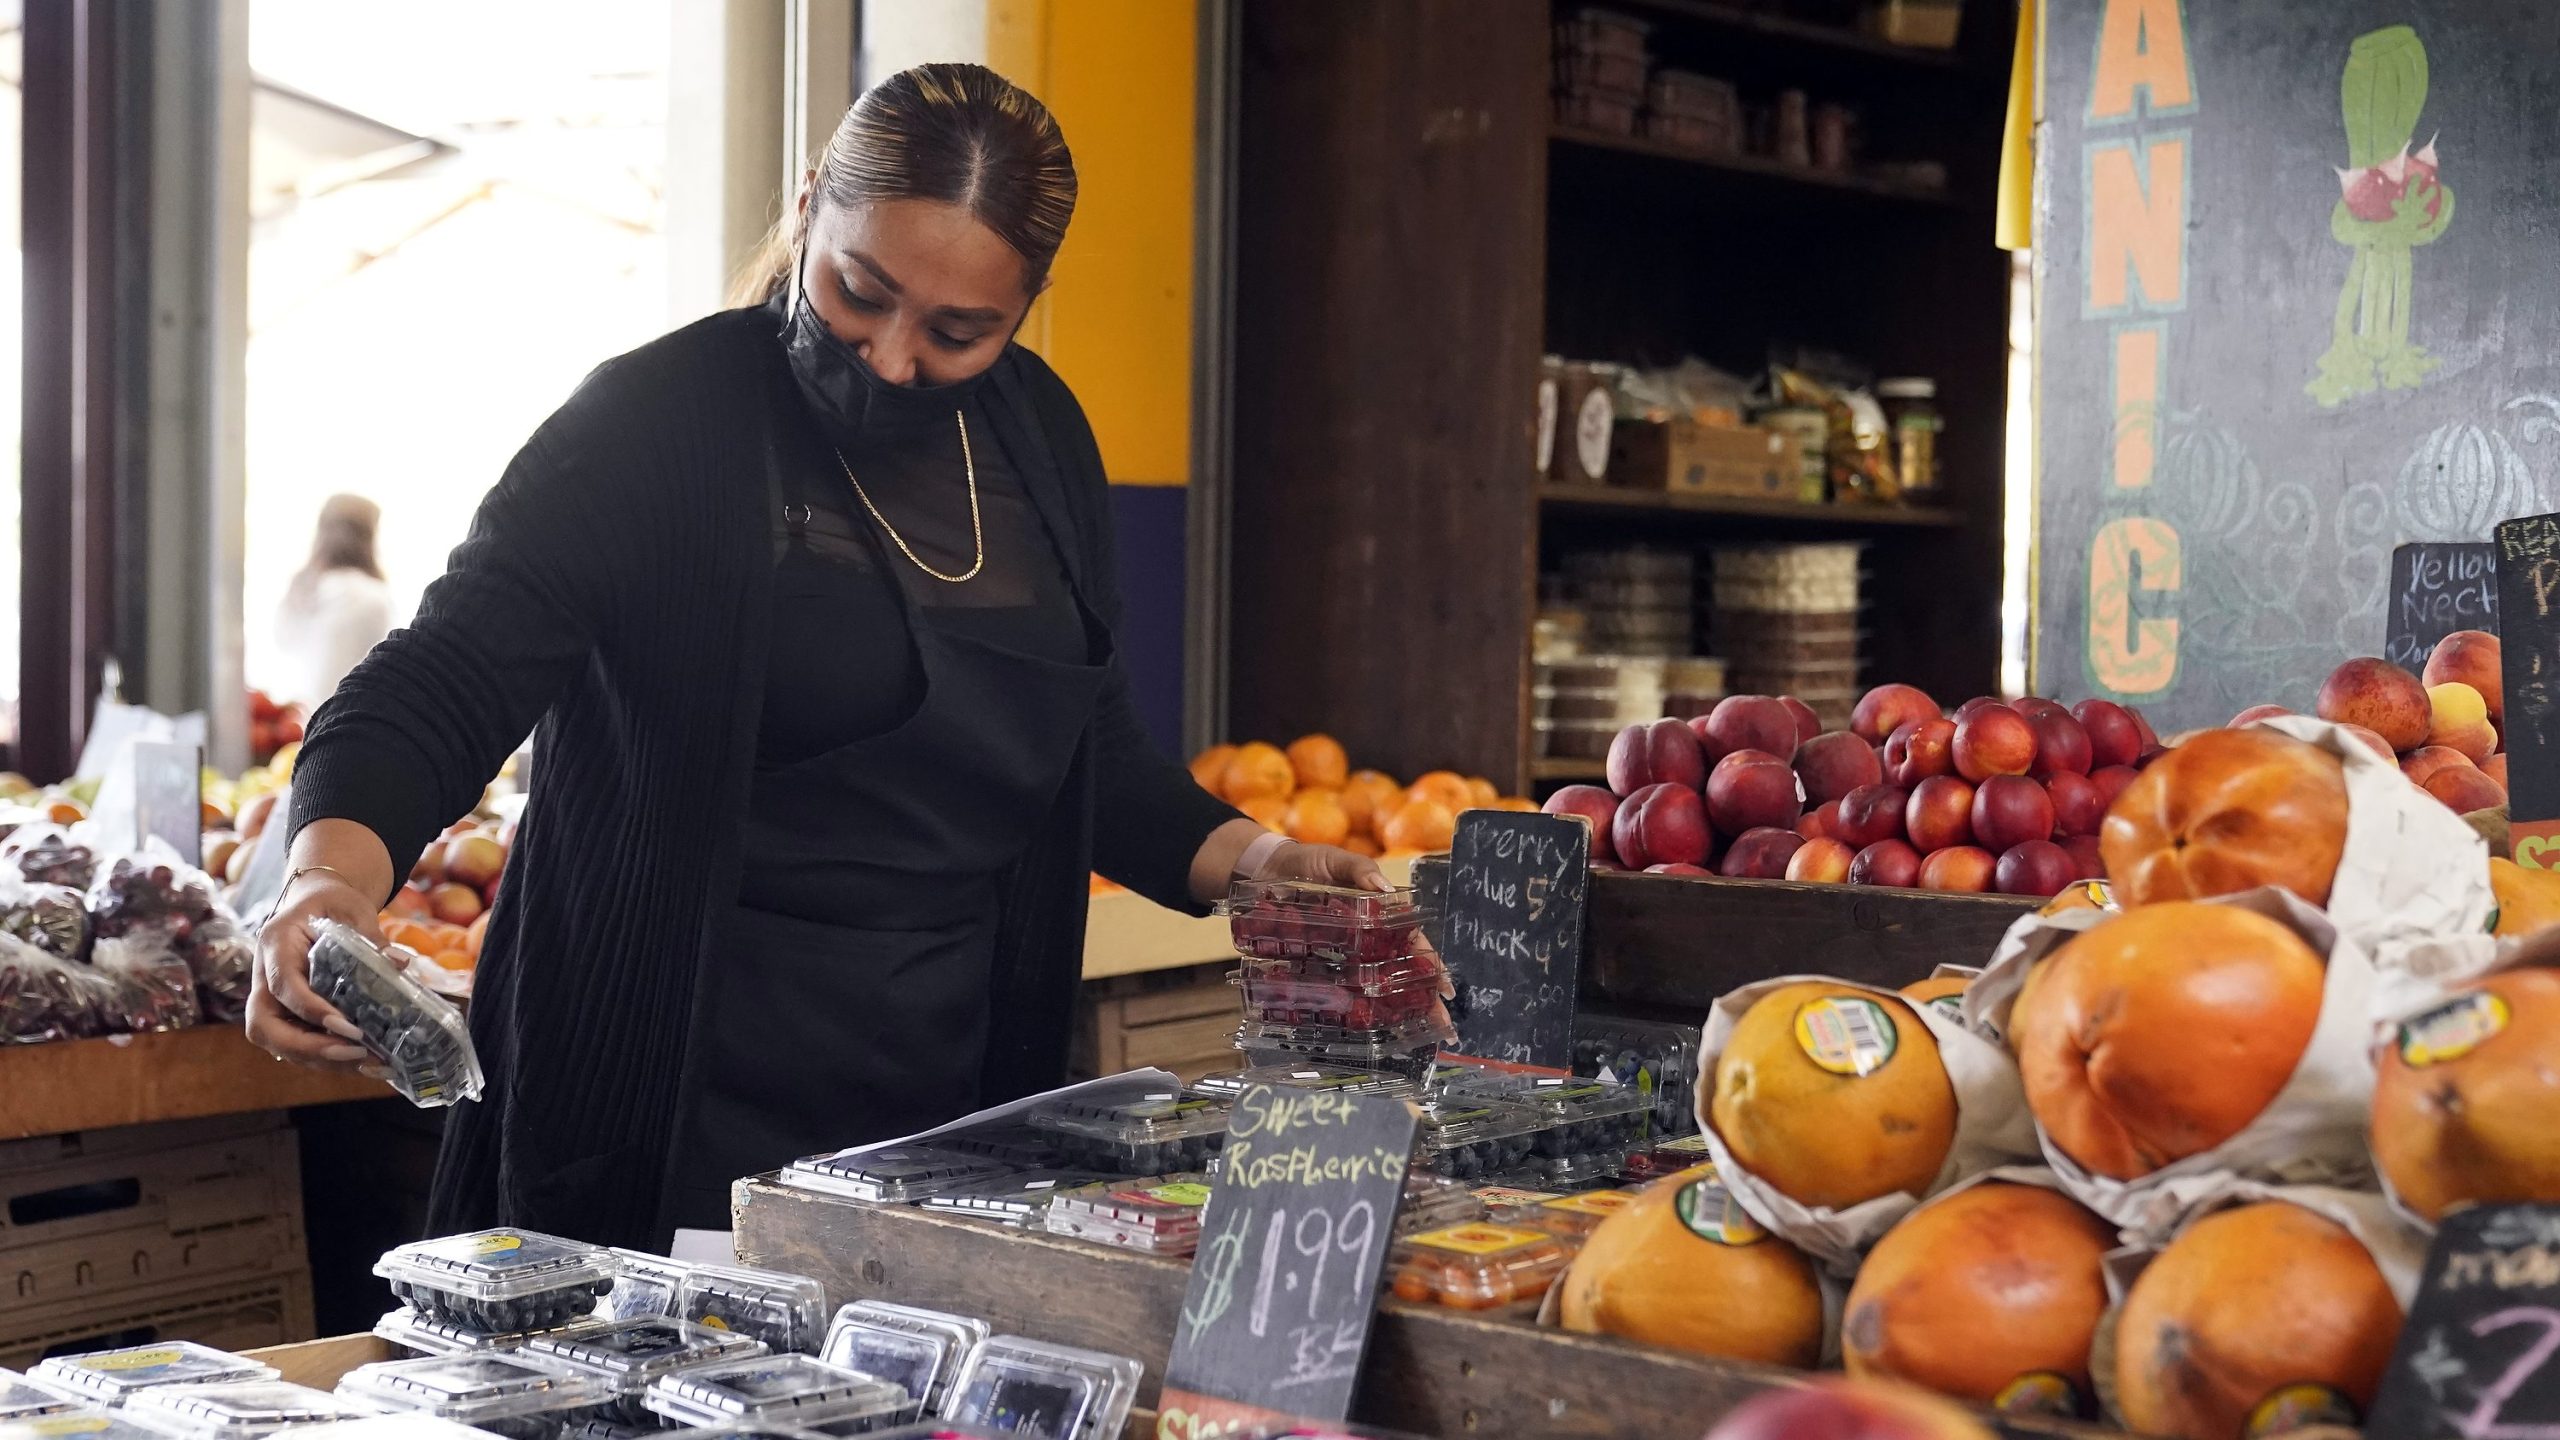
(2437, 589)
(1292, 1247)
(2477, 1358)
(1511, 932)
(2529, 635)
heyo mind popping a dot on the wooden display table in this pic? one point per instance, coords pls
(67, 1085)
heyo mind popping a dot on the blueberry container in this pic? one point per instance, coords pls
(1151, 1134)
(594, 1428)
(787, 1312)
(1422, 1032)
(501, 1282)
(1322, 1000)
(1477, 1267)
(510, 1394)
(1291, 919)
(1314, 1075)
(1567, 1173)
(786, 1389)
(24, 1399)
(1576, 1117)
(239, 1412)
(645, 1289)
(415, 1033)
(1468, 1139)
(1655, 1058)
(891, 1174)
(1435, 1202)
(628, 1355)
(399, 1425)
(1018, 1199)
(1160, 1216)
(1018, 1146)
(110, 1377)
(922, 1350)
(77, 1423)
(410, 1330)
(1047, 1392)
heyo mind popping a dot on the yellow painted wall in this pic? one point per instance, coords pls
(1120, 76)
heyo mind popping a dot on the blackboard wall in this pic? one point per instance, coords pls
(2218, 491)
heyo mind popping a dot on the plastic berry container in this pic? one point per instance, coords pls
(416, 1034)
(922, 1350)
(1664, 1159)
(1293, 920)
(1477, 1267)
(1017, 1200)
(1018, 1146)
(1468, 1139)
(410, 1330)
(110, 1377)
(239, 1412)
(1511, 1204)
(891, 1174)
(1158, 1133)
(1420, 1032)
(1160, 1216)
(1577, 1117)
(1566, 1174)
(1435, 1202)
(1313, 1075)
(628, 1355)
(1327, 1000)
(77, 1423)
(511, 1394)
(787, 1312)
(400, 1425)
(1045, 1392)
(796, 1390)
(645, 1289)
(1369, 977)
(501, 1282)
(1574, 1217)
(928, 1430)
(24, 1399)
(1655, 1058)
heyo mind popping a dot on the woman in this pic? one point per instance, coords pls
(813, 601)
(337, 607)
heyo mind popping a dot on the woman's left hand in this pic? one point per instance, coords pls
(1324, 865)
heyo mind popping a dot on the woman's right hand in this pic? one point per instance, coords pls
(286, 1019)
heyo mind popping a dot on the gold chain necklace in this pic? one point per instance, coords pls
(977, 533)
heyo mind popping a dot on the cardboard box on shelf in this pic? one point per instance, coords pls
(1683, 457)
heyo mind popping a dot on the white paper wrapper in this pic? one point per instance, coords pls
(2412, 870)
(2312, 1133)
(1992, 1129)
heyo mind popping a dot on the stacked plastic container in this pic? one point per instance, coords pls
(1785, 617)
(1339, 977)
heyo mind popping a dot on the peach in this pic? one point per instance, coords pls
(2084, 853)
(1749, 722)
(429, 869)
(1888, 708)
(1868, 814)
(2009, 811)
(2422, 764)
(1750, 789)
(1939, 814)
(2079, 806)
(2038, 867)
(2464, 789)
(1822, 861)
(2113, 737)
(2372, 742)
(2495, 767)
(1594, 807)
(2033, 705)
(1818, 821)
(1662, 753)
(2110, 782)
(1886, 862)
(1966, 868)
(2473, 658)
(2256, 713)
(2062, 744)
(1920, 749)
(473, 860)
(455, 904)
(1808, 724)
(1835, 764)
(255, 814)
(2381, 697)
(1761, 854)
(1994, 742)
(2458, 719)
(1662, 824)
(409, 903)
(1978, 704)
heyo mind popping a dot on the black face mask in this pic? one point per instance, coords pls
(851, 400)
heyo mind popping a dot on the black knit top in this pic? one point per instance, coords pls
(615, 597)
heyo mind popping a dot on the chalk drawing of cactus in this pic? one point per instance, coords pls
(2390, 202)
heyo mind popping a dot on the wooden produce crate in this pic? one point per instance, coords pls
(67, 1085)
(1430, 1370)
(242, 1314)
(1182, 1021)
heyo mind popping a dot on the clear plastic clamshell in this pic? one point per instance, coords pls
(1577, 1117)
(785, 1311)
(1017, 1199)
(1572, 1218)
(1435, 1202)
(1156, 1133)
(629, 1355)
(1333, 1001)
(512, 1394)
(790, 1389)
(1019, 1146)
(646, 1288)
(1312, 1075)
(110, 1377)
(1293, 919)
(501, 1282)
(891, 1174)
(1468, 1139)
(1159, 1215)
(1664, 1159)
(410, 1330)
(1047, 1392)
(1477, 1267)
(77, 1423)
(399, 1425)
(23, 1399)
(1658, 1059)
(922, 1350)
(239, 1412)
(417, 1034)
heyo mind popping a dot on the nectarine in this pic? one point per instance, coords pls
(2113, 737)
(2009, 811)
(1939, 814)
(2421, 764)
(2079, 804)
(2464, 789)
(1964, 868)
(1749, 789)
(1749, 722)
(455, 904)
(1887, 708)
(1996, 741)
(1663, 824)
(2062, 745)
(2473, 658)
(1833, 765)
(2038, 867)
(1661, 753)
(2458, 719)
(1830, 1408)
(1761, 854)
(1920, 749)
(1886, 862)
(2256, 713)
(1594, 807)
(2381, 697)
(1822, 861)
(1808, 724)
(1870, 813)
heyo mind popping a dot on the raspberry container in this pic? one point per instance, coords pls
(785, 1311)
(24, 1399)
(517, 1396)
(1477, 1267)
(1295, 1000)
(110, 1377)
(414, 1032)
(1160, 1216)
(1046, 1392)
(1228, 1084)
(501, 1282)
(629, 1355)
(646, 1288)
(77, 1423)
(1152, 1134)
(239, 1412)
(922, 1350)
(1576, 1117)
(1435, 1202)
(1574, 1217)
(1656, 1059)
(891, 1174)
(1019, 1199)
(792, 1390)
(1468, 1139)
(1297, 920)
(922, 1430)
(1664, 1159)
(1368, 977)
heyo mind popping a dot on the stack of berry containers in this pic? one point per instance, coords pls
(1336, 976)
(1580, 1130)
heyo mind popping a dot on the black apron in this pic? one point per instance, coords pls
(850, 993)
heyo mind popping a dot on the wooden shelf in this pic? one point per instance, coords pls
(1596, 499)
(1753, 166)
(67, 1085)
(1567, 767)
(1838, 38)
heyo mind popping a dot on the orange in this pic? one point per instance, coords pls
(1517, 804)
(1446, 788)
(1257, 772)
(1319, 761)
(1315, 816)
(2463, 1102)
(1209, 767)
(1368, 798)
(1420, 825)
(1362, 845)
(1266, 812)
(1684, 1266)
(1481, 794)
(474, 938)
(454, 959)
(1835, 1095)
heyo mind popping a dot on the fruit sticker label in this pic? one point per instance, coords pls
(71, 1425)
(1951, 1006)
(1596, 1202)
(499, 1243)
(2453, 1029)
(130, 1360)
(1479, 1239)
(2038, 1392)
(1181, 1193)
(2295, 1407)
(1846, 1034)
(1711, 1213)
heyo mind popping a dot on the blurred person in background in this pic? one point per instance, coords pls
(337, 608)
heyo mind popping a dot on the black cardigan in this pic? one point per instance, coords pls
(615, 588)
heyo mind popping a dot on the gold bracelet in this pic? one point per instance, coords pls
(299, 871)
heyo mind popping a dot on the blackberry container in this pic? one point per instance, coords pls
(1018, 1199)
(1160, 1216)
(626, 1356)
(1577, 1117)
(785, 1389)
(239, 1412)
(518, 1396)
(415, 1033)
(1152, 1134)
(1472, 1140)
(1315, 1075)
(1656, 1059)
(1045, 1392)
(110, 1377)
(1362, 932)
(24, 1399)
(892, 1174)
(785, 1311)
(646, 1288)
(501, 1282)
(77, 1423)
(1477, 1267)
(922, 1350)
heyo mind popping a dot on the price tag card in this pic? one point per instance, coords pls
(1292, 1248)
(1511, 931)
(2437, 589)
(168, 796)
(2529, 636)
(2476, 1358)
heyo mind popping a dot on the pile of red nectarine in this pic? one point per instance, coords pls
(2447, 728)
(444, 909)
(2002, 795)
